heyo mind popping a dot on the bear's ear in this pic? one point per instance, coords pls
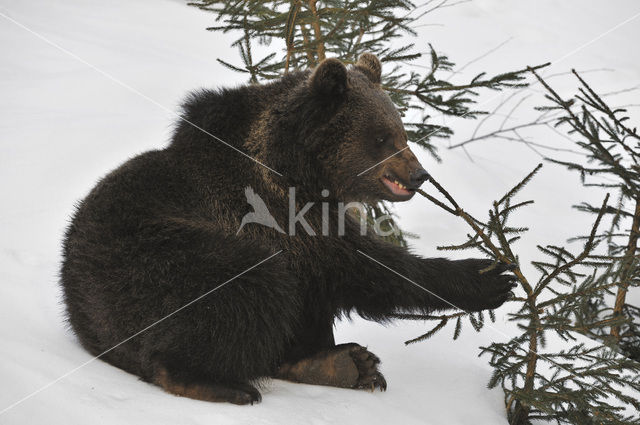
(369, 65)
(329, 79)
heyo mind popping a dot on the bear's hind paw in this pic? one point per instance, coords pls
(369, 375)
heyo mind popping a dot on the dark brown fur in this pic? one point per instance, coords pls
(160, 231)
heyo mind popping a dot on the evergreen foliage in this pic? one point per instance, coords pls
(612, 151)
(299, 34)
(580, 384)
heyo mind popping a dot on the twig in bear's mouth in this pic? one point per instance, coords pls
(475, 225)
(505, 255)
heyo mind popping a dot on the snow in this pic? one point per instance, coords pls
(65, 122)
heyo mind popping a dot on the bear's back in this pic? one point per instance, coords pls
(145, 186)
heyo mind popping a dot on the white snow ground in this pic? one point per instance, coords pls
(64, 123)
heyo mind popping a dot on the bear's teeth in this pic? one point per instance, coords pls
(400, 185)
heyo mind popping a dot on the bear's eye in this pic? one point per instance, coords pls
(381, 140)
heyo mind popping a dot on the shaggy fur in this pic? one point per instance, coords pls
(160, 231)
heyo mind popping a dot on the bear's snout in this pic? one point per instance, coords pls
(417, 177)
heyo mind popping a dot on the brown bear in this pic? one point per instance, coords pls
(163, 278)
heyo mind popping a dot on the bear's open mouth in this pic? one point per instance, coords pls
(396, 187)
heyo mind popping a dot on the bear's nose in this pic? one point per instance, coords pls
(417, 177)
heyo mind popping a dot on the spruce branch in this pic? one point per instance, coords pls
(299, 34)
(582, 379)
(614, 147)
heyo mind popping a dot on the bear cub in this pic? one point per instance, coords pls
(162, 278)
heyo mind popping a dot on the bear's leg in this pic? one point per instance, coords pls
(345, 366)
(314, 335)
(185, 385)
(210, 313)
(215, 347)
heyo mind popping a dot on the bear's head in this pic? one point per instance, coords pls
(353, 134)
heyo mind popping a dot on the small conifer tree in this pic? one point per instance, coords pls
(609, 149)
(610, 158)
(578, 384)
(612, 151)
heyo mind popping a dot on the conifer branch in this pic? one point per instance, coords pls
(528, 392)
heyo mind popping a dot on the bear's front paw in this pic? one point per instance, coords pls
(485, 290)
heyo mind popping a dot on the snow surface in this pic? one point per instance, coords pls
(64, 124)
